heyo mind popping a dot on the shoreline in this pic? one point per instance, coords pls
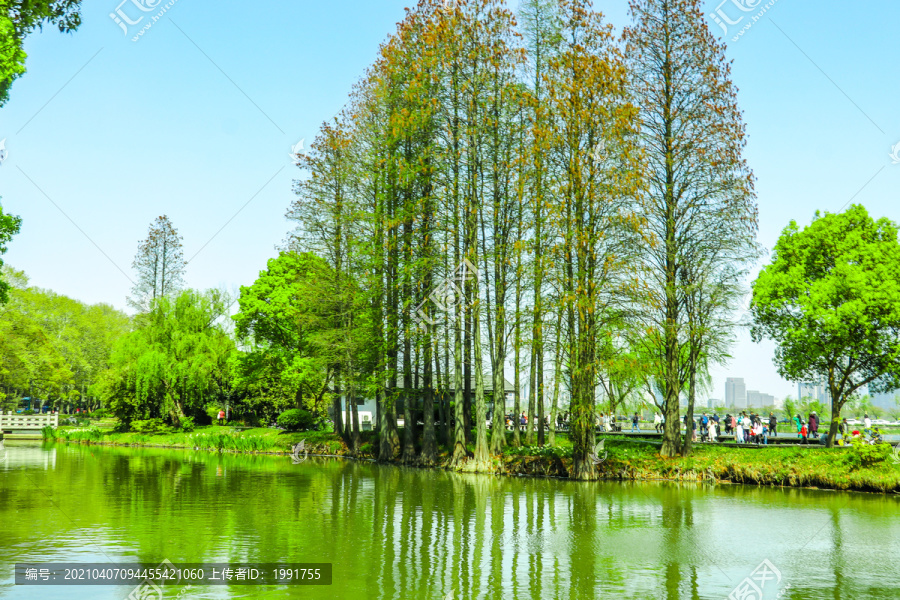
(627, 460)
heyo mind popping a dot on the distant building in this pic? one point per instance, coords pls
(759, 400)
(714, 402)
(816, 391)
(735, 393)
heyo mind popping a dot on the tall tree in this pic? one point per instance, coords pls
(698, 189)
(587, 94)
(830, 299)
(159, 264)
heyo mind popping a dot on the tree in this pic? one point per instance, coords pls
(159, 263)
(698, 203)
(830, 299)
(174, 362)
(586, 90)
(18, 18)
(9, 226)
(292, 314)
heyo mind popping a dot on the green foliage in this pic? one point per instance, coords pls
(187, 423)
(148, 426)
(48, 433)
(9, 224)
(53, 346)
(296, 419)
(29, 412)
(17, 20)
(92, 434)
(863, 454)
(173, 362)
(830, 299)
(291, 316)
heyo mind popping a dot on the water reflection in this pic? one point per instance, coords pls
(407, 533)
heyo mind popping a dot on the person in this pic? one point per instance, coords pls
(712, 430)
(765, 435)
(601, 422)
(797, 423)
(773, 425)
(843, 427)
(634, 423)
(804, 431)
(868, 423)
(656, 422)
(728, 427)
(739, 432)
(813, 425)
(221, 416)
(704, 426)
(523, 421)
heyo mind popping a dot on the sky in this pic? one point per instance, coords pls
(196, 118)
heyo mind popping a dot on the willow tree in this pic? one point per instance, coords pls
(587, 94)
(174, 362)
(698, 191)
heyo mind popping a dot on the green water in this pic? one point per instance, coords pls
(405, 533)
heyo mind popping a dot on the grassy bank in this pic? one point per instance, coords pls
(868, 468)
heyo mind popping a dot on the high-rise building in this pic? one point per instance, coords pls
(816, 391)
(735, 392)
(759, 400)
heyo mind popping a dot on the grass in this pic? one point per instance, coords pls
(869, 468)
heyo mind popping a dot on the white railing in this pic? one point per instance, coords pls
(12, 421)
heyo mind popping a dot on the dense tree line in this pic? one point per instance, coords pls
(532, 187)
(52, 347)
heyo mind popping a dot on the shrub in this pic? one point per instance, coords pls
(28, 412)
(863, 454)
(296, 419)
(187, 423)
(48, 433)
(100, 413)
(148, 426)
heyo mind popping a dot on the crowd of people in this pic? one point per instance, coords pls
(747, 428)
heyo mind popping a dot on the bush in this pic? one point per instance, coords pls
(100, 413)
(48, 433)
(148, 426)
(862, 454)
(296, 419)
(187, 423)
(29, 412)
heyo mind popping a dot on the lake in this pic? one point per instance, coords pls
(393, 532)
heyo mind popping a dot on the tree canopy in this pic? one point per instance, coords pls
(18, 18)
(830, 299)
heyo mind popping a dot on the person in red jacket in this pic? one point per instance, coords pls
(804, 431)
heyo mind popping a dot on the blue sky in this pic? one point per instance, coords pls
(196, 120)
